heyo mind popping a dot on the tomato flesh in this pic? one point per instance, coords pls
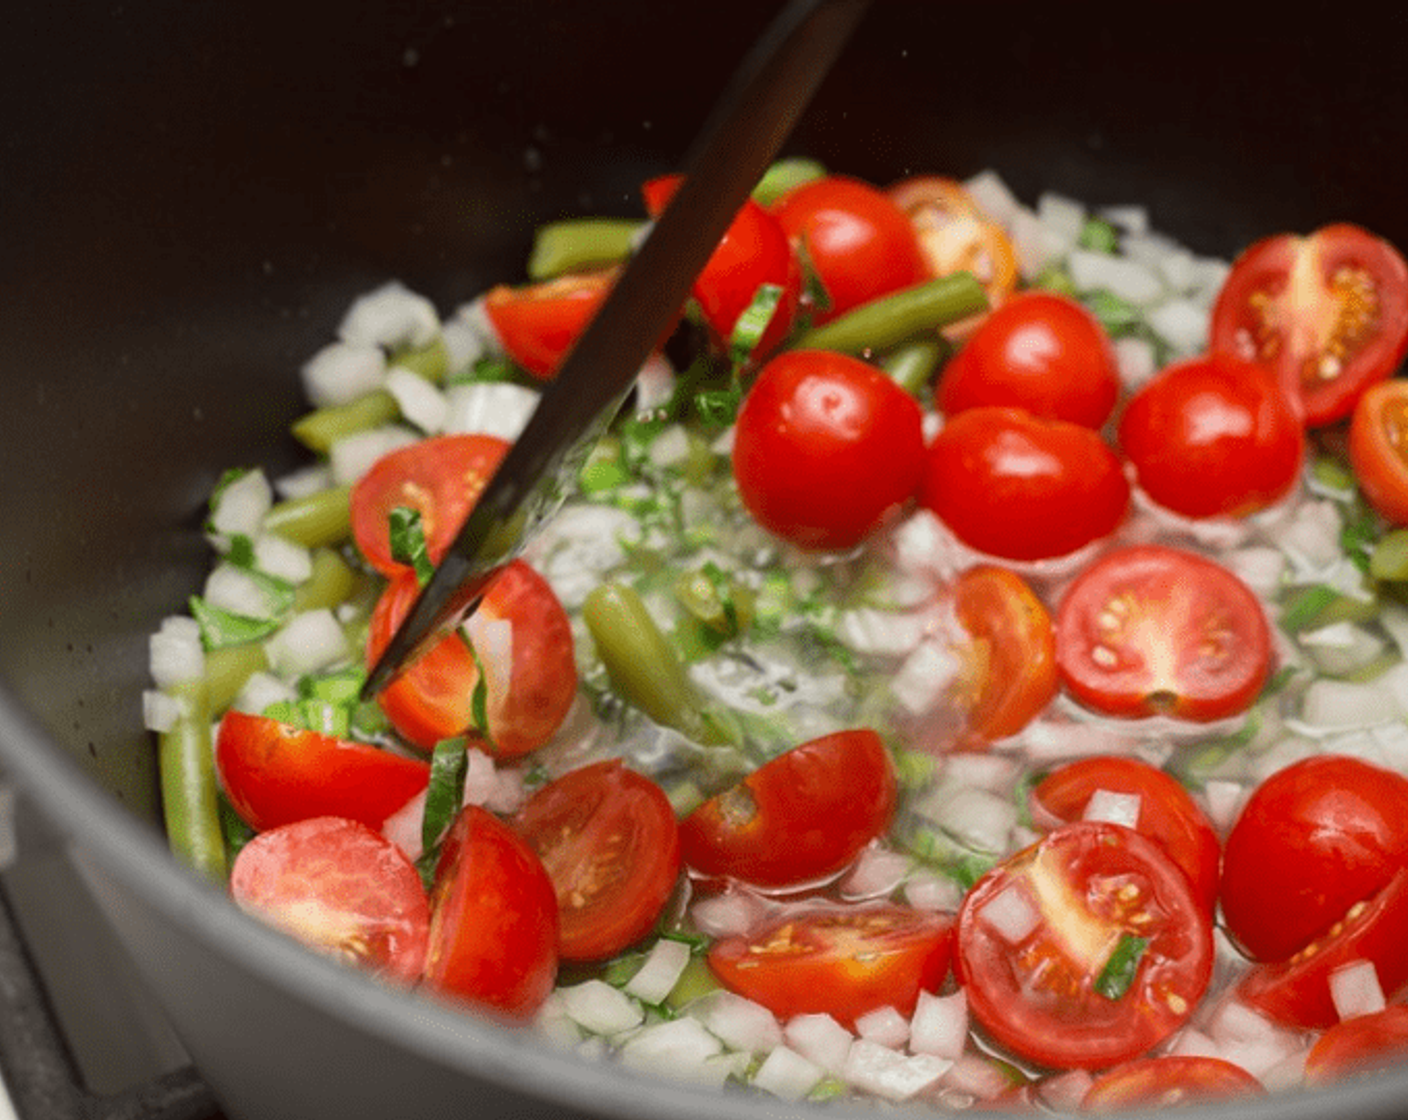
(1378, 448)
(1359, 1046)
(537, 324)
(1170, 1081)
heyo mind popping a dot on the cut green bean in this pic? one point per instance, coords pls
(315, 520)
(1389, 560)
(227, 670)
(884, 323)
(575, 245)
(320, 429)
(189, 798)
(912, 365)
(331, 583)
(785, 174)
(431, 361)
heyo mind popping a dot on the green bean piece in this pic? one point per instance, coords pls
(695, 981)
(315, 520)
(1389, 560)
(642, 664)
(320, 429)
(227, 670)
(331, 583)
(884, 323)
(785, 174)
(912, 365)
(189, 798)
(431, 361)
(578, 244)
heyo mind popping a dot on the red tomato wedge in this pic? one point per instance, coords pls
(340, 888)
(1148, 630)
(1084, 950)
(1328, 313)
(538, 323)
(609, 841)
(1360, 1046)
(493, 923)
(840, 961)
(529, 664)
(1378, 448)
(799, 818)
(1168, 815)
(274, 773)
(441, 477)
(1172, 1081)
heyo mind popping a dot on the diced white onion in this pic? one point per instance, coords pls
(1355, 989)
(655, 383)
(390, 316)
(670, 448)
(492, 639)
(1260, 567)
(939, 1025)
(724, 915)
(978, 1077)
(1224, 800)
(739, 1022)
(261, 690)
(160, 710)
(678, 1048)
(787, 1075)
(282, 558)
(420, 402)
(877, 872)
(1063, 1093)
(1063, 217)
(596, 1006)
(993, 196)
(553, 1024)
(1010, 914)
(1330, 704)
(481, 778)
(353, 455)
(240, 507)
(464, 345)
(1091, 271)
(887, 1073)
(1035, 243)
(1113, 808)
(1342, 647)
(1129, 218)
(820, 1039)
(491, 408)
(1181, 323)
(978, 819)
(231, 588)
(341, 372)
(304, 481)
(403, 827)
(876, 632)
(310, 641)
(657, 977)
(925, 675)
(174, 652)
(925, 890)
(980, 770)
(884, 1025)
(1136, 361)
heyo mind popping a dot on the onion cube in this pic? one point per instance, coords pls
(940, 1025)
(884, 1025)
(1355, 989)
(598, 1007)
(1010, 914)
(821, 1039)
(888, 1073)
(787, 1075)
(1113, 808)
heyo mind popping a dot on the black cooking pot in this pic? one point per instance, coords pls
(191, 194)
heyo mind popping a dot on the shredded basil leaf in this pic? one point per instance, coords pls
(752, 324)
(448, 766)
(220, 628)
(1119, 971)
(407, 534)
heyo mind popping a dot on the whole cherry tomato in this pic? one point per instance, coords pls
(826, 447)
(1378, 448)
(538, 323)
(1213, 437)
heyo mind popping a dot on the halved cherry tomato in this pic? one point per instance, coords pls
(1039, 351)
(857, 241)
(538, 323)
(1328, 313)
(1020, 487)
(529, 691)
(1015, 645)
(840, 961)
(1171, 1081)
(493, 920)
(609, 841)
(956, 236)
(1148, 630)
(802, 816)
(1360, 1046)
(1213, 437)
(274, 773)
(441, 478)
(826, 448)
(1085, 949)
(340, 888)
(1312, 840)
(1168, 815)
(754, 251)
(1378, 448)
(1296, 992)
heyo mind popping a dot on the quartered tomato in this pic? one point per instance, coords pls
(826, 448)
(609, 841)
(1172, 1081)
(274, 773)
(1020, 487)
(1328, 313)
(441, 478)
(493, 923)
(1167, 813)
(1378, 448)
(1013, 650)
(854, 237)
(839, 961)
(1084, 950)
(802, 816)
(339, 888)
(754, 251)
(1360, 1046)
(1149, 630)
(1213, 437)
(1039, 351)
(1314, 839)
(525, 646)
(538, 323)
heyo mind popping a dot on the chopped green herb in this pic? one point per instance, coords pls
(1119, 971)
(753, 323)
(408, 542)
(448, 766)
(1100, 236)
(220, 629)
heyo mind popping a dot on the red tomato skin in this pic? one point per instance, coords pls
(493, 919)
(1360, 1046)
(1213, 437)
(799, 818)
(275, 774)
(1312, 840)
(1296, 992)
(826, 448)
(537, 324)
(839, 961)
(370, 907)
(1170, 1081)
(441, 477)
(1168, 815)
(1019, 487)
(858, 241)
(1277, 307)
(1039, 351)
(611, 846)
(1158, 657)
(1061, 1021)
(1378, 448)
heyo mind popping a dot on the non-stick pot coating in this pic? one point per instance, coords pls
(192, 193)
